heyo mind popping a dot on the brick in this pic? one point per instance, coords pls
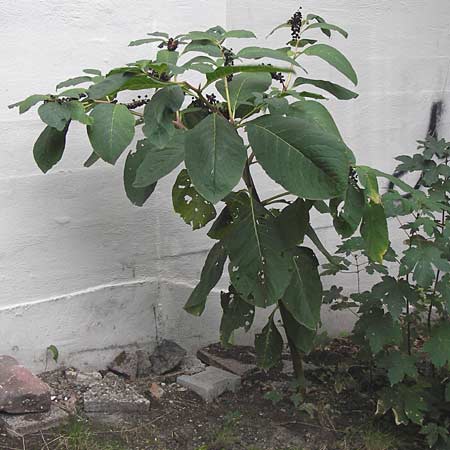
(229, 364)
(20, 425)
(210, 383)
(20, 390)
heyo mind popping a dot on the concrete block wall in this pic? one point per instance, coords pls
(83, 269)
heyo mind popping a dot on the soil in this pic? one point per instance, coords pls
(338, 413)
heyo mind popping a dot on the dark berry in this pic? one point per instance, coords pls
(296, 22)
(172, 44)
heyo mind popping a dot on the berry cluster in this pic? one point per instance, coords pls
(278, 76)
(229, 59)
(212, 99)
(296, 22)
(353, 176)
(164, 76)
(171, 44)
(136, 103)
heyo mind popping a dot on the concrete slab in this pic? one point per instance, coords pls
(210, 383)
(228, 364)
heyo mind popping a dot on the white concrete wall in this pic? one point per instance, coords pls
(83, 269)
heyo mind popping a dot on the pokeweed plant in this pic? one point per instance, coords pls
(403, 326)
(243, 113)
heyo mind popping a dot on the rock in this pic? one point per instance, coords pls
(166, 357)
(110, 397)
(156, 390)
(211, 383)
(21, 391)
(229, 364)
(144, 366)
(24, 424)
(88, 378)
(125, 364)
(192, 365)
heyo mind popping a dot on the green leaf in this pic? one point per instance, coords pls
(335, 58)
(438, 345)
(159, 34)
(260, 268)
(159, 114)
(243, 87)
(189, 204)
(29, 102)
(215, 157)
(239, 34)
(338, 91)
(211, 274)
(374, 231)
(303, 297)
(144, 41)
(73, 81)
(236, 314)
(327, 26)
(49, 148)
(72, 93)
(261, 52)
(288, 146)
(201, 36)
(77, 112)
(159, 161)
(399, 365)
(421, 259)
(224, 71)
(347, 221)
(109, 86)
(53, 352)
(302, 337)
(293, 222)
(279, 27)
(93, 158)
(55, 114)
(93, 71)
(394, 293)
(379, 330)
(137, 196)
(167, 57)
(268, 345)
(203, 46)
(112, 130)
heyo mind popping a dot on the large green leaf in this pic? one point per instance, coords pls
(112, 130)
(374, 231)
(109, 86)
(159, 114)
(300, 156)
(137, 196)
(189, 204)
(74, 81)
(335, 58)
(239, 34)
(398, 365)
(268, 345)
(55, 114)
(29, 102)
(303, 297)
(394, 294)
(438, 346)
(49, 148)
(236, 314)
(77, 112)
(215, 157)
(159, 161)
(260, 267)
(211, 274)
(144, 41)
(293, 222)
(203, 46)
(327, 26)
(421, 259)
(225, 71)
(244, 86)
(261, 52)
(301, 337)
(338, 91)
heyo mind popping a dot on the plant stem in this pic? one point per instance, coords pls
(227, 93)
(275, 197)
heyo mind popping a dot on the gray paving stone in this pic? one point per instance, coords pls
(210, 383)
(229, 364)
(20, 425)
(111, 398)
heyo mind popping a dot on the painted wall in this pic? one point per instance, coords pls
(83, 269)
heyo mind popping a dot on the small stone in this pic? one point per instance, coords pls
(192, 365)
(125, 364)
(88, 378)
(21, 391)
(156, 390)
(229, 364)
(24, 424)
(211, 383)
(144, 366)
(111, 398)
(166, 357)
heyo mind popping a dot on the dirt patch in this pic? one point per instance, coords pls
(341, 417)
